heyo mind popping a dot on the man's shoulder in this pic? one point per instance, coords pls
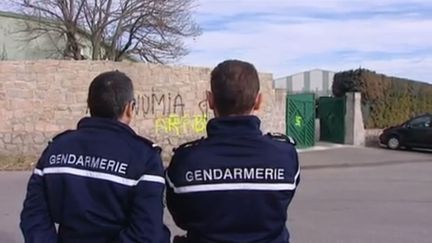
(186, 156)
(147, 143)
(58, 141)
(281, 138)
(61, 135)
(190, 145)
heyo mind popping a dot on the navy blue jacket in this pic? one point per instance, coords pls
(235, 185)
(101, 183)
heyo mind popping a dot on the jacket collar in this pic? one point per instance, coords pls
(234, 125)
(105, 123)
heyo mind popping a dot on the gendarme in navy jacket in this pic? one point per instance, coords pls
(101, 183)
(235, 185)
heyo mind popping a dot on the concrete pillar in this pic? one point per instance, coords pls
(354, 127)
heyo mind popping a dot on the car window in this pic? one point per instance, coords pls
(420, 122)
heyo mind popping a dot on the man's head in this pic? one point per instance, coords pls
(111, 95)
(234, 89)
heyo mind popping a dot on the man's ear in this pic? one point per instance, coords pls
(258, 102)
(210, 99)
(129, 110)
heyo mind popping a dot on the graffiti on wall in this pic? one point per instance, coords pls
(159, 103)
(181, 125)
(168, 113)
(163, 104)
(171, 113)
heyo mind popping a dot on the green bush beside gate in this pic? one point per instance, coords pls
(386, 100)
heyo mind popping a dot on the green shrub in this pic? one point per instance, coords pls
(386, 100)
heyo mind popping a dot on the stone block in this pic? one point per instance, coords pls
(18, 127)
(18, 139)
(12, 149)
(39, 138)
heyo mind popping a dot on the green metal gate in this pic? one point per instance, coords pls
(331, 112)
(300, 119)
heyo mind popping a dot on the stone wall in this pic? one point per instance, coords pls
(39, 99)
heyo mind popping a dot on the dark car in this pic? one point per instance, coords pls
(415, 133)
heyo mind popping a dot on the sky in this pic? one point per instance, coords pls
(283, 37)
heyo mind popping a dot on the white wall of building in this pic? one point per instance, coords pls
(314, 81)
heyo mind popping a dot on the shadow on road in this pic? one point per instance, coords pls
(368, 164)
(362, 157)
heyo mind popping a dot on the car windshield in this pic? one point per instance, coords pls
(420, 122)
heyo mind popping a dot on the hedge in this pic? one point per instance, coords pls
(386, 101)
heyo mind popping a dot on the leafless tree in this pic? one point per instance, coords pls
(150, 30)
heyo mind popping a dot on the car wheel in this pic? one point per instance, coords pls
(393, 142)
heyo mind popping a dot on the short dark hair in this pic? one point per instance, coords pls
(235, 86)
(109, 93)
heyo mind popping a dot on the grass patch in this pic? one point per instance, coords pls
(17, 162)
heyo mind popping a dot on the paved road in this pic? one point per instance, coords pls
(367, 204)
(346, 195)
(358, 157)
